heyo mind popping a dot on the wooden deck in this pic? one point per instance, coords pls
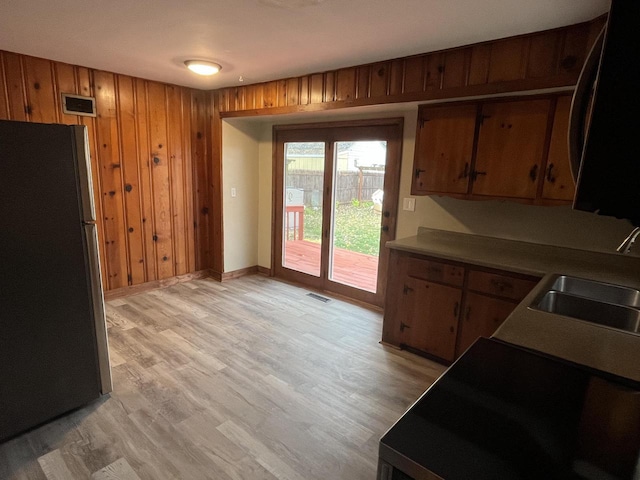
(349, 268)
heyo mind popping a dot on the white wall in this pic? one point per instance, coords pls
(240, 171)
(547, 225)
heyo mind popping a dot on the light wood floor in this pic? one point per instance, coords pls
(249, 379)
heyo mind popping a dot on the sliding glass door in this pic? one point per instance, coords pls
(336, 198)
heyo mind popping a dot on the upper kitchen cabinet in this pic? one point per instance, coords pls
(558, 181)
(444, 149)
(509, 149)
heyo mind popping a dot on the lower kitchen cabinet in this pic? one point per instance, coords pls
(433, 321)
(481, 316)
(398, 307)
(439, 308)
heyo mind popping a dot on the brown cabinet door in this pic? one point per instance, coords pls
(510, 148)
(433, 323)
(481, 316)
(444, 147)
(433, 271)
(397, 301)
(558, 181)
(500, 285)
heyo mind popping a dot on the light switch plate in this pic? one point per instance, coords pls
(233, 191)
(409, 204)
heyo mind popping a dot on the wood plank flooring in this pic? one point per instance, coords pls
(249, 379)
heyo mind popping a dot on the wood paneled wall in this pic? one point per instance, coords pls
(151, 159)
(156, 148)
(546, 59)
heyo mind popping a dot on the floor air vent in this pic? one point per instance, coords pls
(78, 105)
(318, 297)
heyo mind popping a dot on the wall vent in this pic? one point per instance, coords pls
(78, 105)
(318, 297)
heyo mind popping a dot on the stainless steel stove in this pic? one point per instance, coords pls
(504, 412)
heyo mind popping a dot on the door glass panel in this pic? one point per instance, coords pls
(358, 182)
(302, 216)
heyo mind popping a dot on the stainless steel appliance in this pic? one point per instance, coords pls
(603, 134)
(53, 339)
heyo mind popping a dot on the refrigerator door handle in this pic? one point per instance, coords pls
(85, 180)
(580, 105)
(99, 316)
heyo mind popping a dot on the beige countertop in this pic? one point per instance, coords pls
(585, 343)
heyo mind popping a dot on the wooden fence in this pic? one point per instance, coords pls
(350, 185)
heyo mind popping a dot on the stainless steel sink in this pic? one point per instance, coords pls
(608, 314)
(604, 292)
(613, 306)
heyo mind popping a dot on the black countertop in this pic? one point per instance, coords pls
(503, 412)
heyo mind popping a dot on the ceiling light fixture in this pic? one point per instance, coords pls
(202, 67)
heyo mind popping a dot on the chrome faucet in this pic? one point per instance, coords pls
(625, 247)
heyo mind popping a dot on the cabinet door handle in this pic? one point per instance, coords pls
(501, 285)
(418, 172)
(456, 307)
(468, 314)
(385, 228)
(407, 289)
(475, 174)
(465, 172)
(533, 173)
(550, 177)
(403, 326)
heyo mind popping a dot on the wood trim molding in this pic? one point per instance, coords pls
(548, 59)
(265, 271)
(226, 276)
(217, 224)
(164, 283)
(216, 275)
(394, 121)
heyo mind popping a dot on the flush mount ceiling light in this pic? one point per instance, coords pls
(202, 67)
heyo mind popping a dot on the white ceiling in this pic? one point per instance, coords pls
(264, 39)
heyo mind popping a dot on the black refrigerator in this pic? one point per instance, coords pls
(53, 339)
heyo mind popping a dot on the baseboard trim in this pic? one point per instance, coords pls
(164, 283)
(215, 275)
(265, 271)
(238, 273)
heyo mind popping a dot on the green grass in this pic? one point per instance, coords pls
(357, 227)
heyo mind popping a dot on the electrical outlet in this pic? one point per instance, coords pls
(233, 191)
(409, 204)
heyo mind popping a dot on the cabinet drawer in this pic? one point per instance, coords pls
(435, 271)
(500, 285)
